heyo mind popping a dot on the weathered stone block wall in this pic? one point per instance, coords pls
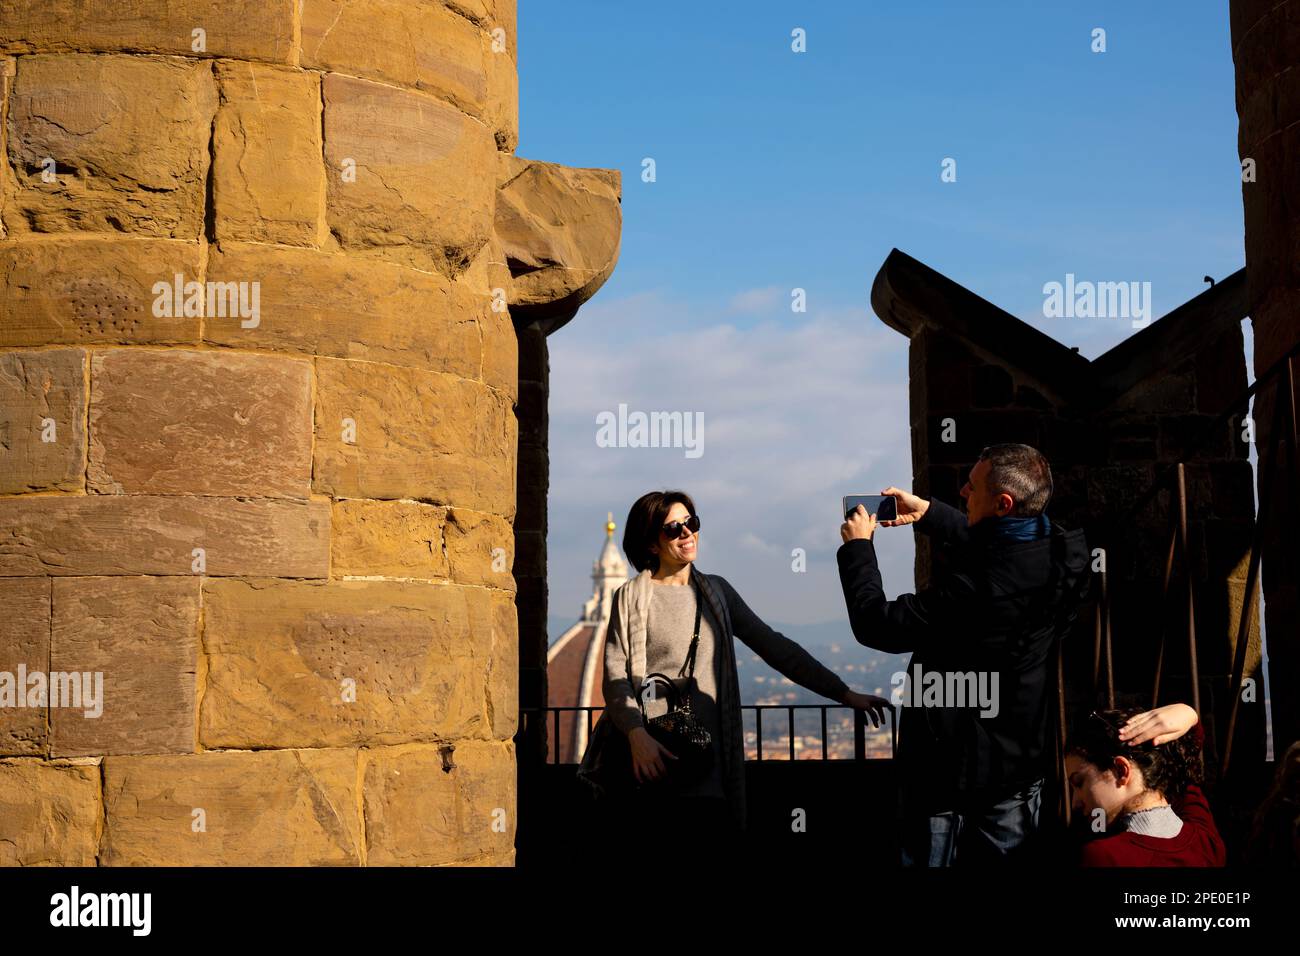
(283, 534)
(1266, 51)
(1109, 427)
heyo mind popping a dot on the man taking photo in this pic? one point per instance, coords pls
(971, 770)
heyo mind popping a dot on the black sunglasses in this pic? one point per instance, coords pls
(673, 529)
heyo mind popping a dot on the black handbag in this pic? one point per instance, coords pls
(680, 729)
(607, 766)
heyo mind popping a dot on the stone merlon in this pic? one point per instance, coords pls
(908, 296)
(559, 229)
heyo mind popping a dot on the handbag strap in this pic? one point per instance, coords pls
(695, 638)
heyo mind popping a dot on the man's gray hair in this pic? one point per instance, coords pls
(1021, 472)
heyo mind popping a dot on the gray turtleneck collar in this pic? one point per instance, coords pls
(1154, 821)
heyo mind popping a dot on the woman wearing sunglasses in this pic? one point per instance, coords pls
(675, 621)
(1133, 776)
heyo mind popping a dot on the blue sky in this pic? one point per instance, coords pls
(777, 170)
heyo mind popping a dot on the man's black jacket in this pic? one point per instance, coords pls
(996, 609)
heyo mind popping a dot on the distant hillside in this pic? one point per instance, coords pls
(809, 635)
(831, 642)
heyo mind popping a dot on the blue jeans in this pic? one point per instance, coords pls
(1000, 833)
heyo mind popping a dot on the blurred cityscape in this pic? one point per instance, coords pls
(862, 669)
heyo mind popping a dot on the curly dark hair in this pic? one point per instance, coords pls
(1167, 769)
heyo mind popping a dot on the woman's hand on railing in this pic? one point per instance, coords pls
(648, 756)
(1160, 725)
(874, 706)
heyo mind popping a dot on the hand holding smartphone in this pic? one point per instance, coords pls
(884, 507)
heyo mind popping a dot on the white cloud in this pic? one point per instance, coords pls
(753, 542)
(757, 300)
(796, 414)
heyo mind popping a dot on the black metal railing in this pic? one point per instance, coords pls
(551, 716)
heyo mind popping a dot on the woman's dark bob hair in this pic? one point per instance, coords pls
(645, 523)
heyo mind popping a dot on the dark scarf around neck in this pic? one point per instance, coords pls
(1010, 529)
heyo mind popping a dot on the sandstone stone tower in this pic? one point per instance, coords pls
(1266, 53)
(264, 270)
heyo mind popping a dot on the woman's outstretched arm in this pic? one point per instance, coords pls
(779, 651)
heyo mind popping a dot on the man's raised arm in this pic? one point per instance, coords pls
(933, 517)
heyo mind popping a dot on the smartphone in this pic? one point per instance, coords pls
(884, 507)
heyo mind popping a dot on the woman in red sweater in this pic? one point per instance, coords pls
(1133, 775)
